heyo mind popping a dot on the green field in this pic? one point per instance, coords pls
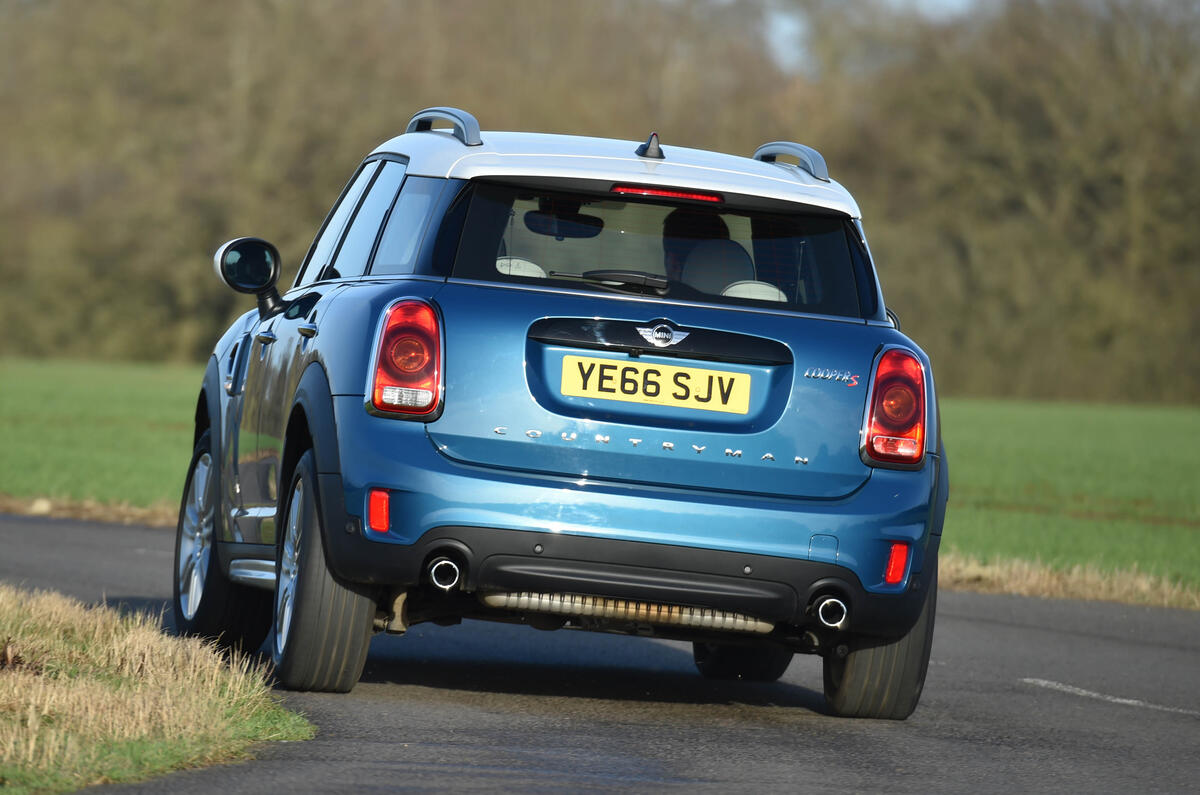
(1113, 486)
(1117, 487)
(117, 433)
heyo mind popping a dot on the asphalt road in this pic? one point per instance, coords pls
(1022, 694)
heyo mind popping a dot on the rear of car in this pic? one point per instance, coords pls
(648, 394)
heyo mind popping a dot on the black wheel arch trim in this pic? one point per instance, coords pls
(315, 397)
(209, 400)
(941, 493)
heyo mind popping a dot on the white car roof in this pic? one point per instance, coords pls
(438, 153)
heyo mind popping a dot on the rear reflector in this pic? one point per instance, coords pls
(377, 510)
(668, 193)
(897, 564)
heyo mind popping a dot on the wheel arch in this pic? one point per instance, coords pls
(207, 418)
(208, 403)
(311, 425)
(201, 421)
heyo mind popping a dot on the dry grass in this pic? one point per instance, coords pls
(90, 695)
(1033, 578)
(160, 514)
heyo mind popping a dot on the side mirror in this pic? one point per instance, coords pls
(251, 265)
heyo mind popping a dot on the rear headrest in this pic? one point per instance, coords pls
(757, 291)
(713, 264)
(516, 266)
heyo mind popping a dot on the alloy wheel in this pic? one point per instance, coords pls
(196, 537)
(289, 564)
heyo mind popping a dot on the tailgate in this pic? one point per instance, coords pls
(626, 389)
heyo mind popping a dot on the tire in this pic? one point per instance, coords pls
(883, 679)
(206, 603)
(322, 628)
(764, 662)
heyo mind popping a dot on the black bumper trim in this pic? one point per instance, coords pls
(775, 589)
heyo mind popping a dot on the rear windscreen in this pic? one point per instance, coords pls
(680, 251)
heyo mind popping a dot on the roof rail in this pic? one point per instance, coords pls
(809, 159)
(466, 128)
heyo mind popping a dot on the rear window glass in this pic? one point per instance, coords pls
(685, 251)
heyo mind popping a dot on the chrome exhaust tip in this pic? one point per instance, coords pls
(444, 574)
(832, 612)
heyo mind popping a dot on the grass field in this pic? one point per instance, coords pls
(1113, 486)
(1116, 488)
(112, 433)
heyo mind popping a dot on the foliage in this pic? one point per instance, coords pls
(1025, 168)
(142, 134)
(1029, 171)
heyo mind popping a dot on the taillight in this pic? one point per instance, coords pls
(896, 422)
(408, 362)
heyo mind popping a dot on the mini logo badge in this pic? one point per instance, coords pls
(661, 335)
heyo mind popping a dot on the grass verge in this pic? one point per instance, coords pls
(89, 695)
(160, 514)
(1032, 578)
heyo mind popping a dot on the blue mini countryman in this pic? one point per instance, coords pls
(574, 383)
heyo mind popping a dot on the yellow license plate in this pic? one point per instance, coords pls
(656, 384)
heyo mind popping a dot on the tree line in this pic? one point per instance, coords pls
(1026, 169)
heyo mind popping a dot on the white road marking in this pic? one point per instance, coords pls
(1129, 702)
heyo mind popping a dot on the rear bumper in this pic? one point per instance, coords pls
(764, 557)
(778, 590)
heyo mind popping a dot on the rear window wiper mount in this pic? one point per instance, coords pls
(621, 280)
